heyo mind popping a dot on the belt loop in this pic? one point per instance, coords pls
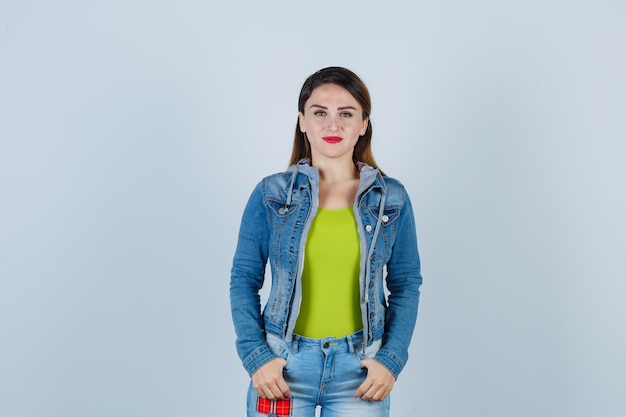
(294, 343)
(350, 344)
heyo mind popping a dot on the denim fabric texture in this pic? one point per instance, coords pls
(274, 227)
(323, 372)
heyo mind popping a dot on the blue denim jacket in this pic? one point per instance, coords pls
(274, 227)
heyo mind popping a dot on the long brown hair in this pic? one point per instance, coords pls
(356, 87)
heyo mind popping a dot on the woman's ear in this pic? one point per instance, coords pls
(364, 126)
(301, 121)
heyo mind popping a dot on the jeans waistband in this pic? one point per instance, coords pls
(349, 343)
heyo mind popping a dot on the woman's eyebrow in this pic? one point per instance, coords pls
(339, 108)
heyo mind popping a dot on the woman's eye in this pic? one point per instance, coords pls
(319, 113)
(346, 114)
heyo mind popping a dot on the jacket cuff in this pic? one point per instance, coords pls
(390, 360)
(258, 358)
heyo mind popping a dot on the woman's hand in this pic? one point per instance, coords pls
(377, 384)
(268, 380)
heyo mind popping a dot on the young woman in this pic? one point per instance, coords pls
(336, 230)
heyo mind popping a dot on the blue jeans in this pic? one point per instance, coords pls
(321, 372)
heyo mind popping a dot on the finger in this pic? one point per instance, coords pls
(281, 391)
(284, 388)
(381, 392)
(378, 395)
(373, 392)
(363, 388)
(277, 392)
(266, 394)
(269, 391)
(370, 395)
(278, 385)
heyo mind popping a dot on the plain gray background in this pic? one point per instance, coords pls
(132, 132)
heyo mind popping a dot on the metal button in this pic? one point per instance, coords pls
(385, 218)
(368, 227)
(326, 345)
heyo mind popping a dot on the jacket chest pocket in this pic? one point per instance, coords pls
(388, 229)
(283, 215)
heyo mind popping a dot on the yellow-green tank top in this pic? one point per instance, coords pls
(330, 280)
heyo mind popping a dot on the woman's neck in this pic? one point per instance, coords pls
(338, 185)
(337, 172)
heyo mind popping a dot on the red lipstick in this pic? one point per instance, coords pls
(332, 139)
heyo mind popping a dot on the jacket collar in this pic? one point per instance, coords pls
(360, 166)
(370, 176)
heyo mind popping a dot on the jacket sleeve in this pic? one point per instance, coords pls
(246, 280)
(403, 282)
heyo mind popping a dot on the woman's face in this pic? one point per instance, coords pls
(333, 121)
